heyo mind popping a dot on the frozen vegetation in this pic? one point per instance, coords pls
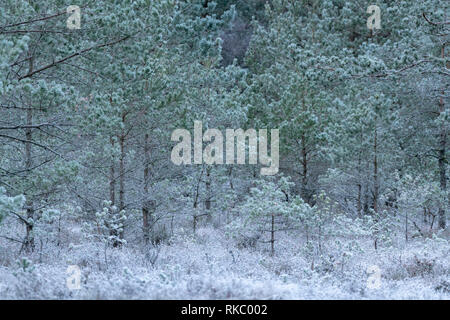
(120, 174)
(210, 265)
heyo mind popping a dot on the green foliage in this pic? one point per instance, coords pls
(87, 114)
(25, 265)
(9, 204)
(107, 225)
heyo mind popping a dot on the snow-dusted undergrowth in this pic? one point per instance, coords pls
(211, 266)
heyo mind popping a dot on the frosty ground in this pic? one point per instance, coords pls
(210, 265)
(359, 207)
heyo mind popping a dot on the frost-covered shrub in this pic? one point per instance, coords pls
(269, 209)
(25, 265)
(48, 226)
(326, 264)
(419, 200)
(319, 222)
(202, 267)
(159, 234)
(152, 254)
(382, 228)
(330, 232)
(419, 266)
(443, 286)
(427, 259)
(247, 240)
(8, 204)
(106, 225)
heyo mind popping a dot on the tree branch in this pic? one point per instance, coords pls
(30, 74)
(434, 23)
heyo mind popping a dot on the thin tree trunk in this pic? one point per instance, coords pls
(358, 205)
(304, 171)
(122, 173)
(367, 190)
(366, 199)
(194, 226)
(29, 238)
(112, 191)
(375, 174)
(425, 215)
(406, 226)
(28, 244)
(196, 200)
(272, 236)
(442, 159)
(112, 178)
(208, 193)
(121, 182)
(145, 207)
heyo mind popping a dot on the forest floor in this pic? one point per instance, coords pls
(210, 265)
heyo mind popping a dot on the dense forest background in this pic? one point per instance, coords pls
(358, 208)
